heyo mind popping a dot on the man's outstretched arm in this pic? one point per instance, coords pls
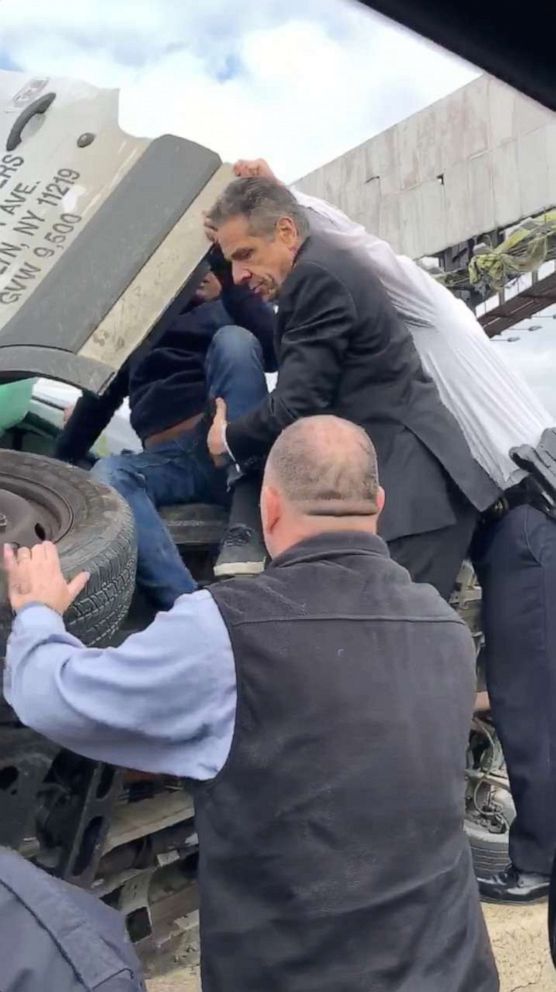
(164, 701)
(89, 418)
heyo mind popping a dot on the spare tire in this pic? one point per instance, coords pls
(92, 526)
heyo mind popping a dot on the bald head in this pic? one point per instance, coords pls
(323, 472)
(326, 466)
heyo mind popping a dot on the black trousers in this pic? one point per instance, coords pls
(245, 493)
(436, 556)
(515, 560)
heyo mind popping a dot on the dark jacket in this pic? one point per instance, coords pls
(342, 349)
(57, 938)
(332, 851)
(165, 382)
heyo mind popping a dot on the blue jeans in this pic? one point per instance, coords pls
(181, 471)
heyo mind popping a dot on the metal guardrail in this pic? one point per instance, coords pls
(528, 295)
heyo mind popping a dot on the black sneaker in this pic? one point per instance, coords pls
(242, 553)
(514, 886)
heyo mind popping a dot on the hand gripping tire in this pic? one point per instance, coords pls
(92, 527)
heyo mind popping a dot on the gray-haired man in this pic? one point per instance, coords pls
(343, 350)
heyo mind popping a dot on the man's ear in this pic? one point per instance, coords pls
(271, 509)
(287, 232)
(380, 500)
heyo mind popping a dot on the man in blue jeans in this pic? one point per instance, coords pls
(219, 346)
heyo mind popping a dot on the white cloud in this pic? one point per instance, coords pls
(534, 354)
(298, 84)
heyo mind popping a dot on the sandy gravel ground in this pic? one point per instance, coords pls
(518, 937)
(520, 942)
(181, 980)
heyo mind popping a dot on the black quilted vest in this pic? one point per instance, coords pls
(332, 852)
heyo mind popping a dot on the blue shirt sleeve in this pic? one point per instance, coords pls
(164, 701)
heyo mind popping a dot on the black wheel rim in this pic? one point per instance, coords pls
(31, 512)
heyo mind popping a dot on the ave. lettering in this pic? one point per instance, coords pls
(16, 198)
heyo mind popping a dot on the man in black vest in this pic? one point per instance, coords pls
(323, 711)
(342, 349)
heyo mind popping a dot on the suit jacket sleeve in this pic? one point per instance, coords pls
(317, 315)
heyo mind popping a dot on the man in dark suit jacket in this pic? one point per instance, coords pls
(342, 349)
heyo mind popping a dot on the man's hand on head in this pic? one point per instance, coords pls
(216, 439)
(35, 576)
(253, 168)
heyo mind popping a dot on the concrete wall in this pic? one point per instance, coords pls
(481, 158)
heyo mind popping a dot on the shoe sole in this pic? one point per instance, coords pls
(238, 568)
(492, 901)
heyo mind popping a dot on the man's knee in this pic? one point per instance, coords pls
(116, 471)
(233, 343)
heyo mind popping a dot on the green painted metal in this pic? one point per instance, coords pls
(15, 398)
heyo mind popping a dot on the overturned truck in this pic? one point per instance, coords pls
(101, 240)
(101, 244)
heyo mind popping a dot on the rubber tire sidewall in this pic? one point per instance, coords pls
(489, 850)
(101, 540)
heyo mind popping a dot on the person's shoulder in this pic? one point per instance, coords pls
(438, 634)
(424, 604)
(411, 600)
(198, 607)
(343, 263)
(323, 251)
(196, 620)
(13, 865)
(319, 269)
(254, 600)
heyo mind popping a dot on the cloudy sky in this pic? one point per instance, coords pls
(298, 83)
(531, 348)
(295, 82)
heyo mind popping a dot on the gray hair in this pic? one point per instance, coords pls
(263, 202)
(326, 466)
